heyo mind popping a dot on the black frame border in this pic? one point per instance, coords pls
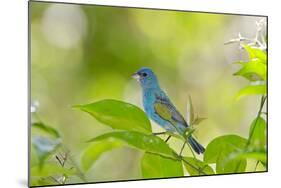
(132, 7)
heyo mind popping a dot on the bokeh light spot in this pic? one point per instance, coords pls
(63, 25)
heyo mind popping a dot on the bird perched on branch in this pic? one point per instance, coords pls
(160, 109)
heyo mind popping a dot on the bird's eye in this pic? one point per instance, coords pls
(144, 74)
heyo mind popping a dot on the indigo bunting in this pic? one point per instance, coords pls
(160, 109)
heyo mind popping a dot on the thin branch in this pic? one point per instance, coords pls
(256, 165)
(79, 172)
(239, 40)
(263, 99)
(194, 156)
(58, 159)
(54, 179)
(191, 165)
(182, 148)
(255, 42)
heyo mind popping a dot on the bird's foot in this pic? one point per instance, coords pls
(160, 133)
(168, 138)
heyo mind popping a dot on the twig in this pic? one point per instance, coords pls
(54, 179)
(239, 39)
(256, 165)
(62, 163)
(65, 157)
(198, 169)
(194, 156)
(263, 99)
(252, 42)
(182, 148)
(59, 160)
(79, 172)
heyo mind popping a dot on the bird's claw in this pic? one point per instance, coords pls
(168, 138)
(160, 133)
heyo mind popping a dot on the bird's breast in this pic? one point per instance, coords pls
(148, 102)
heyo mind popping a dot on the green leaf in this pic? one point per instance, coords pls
(259, 155)
(47, 129)
(233, 166)
(220, 143)
(95, 150)
(219, 149)
(251, 90)
(148, 143)
(118, 115)
(156, 166)
(257, 134)
(50, 170)
(202, 166)
(256, 53)
(253, 70)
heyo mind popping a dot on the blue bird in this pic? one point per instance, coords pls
(160, 109)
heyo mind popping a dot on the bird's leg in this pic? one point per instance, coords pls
(182, 148)
(168, 138)
(160, 133)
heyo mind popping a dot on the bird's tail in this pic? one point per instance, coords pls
(198, 148)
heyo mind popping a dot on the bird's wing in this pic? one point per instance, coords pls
(166, 110)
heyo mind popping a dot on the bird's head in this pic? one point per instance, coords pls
(146, 77)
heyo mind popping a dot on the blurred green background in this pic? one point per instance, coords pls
(82, 54)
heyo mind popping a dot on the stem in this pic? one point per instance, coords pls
(59, 160)
(198, 169)
(54, 179)
(181, 158)
(62, 162)
(68, 157)
(185, 138)
(182, 148)
(80, 174)
(256, 165)
(263, 99)
(194, 156)
(252, 42)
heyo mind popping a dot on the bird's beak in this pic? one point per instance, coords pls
(136, 76)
